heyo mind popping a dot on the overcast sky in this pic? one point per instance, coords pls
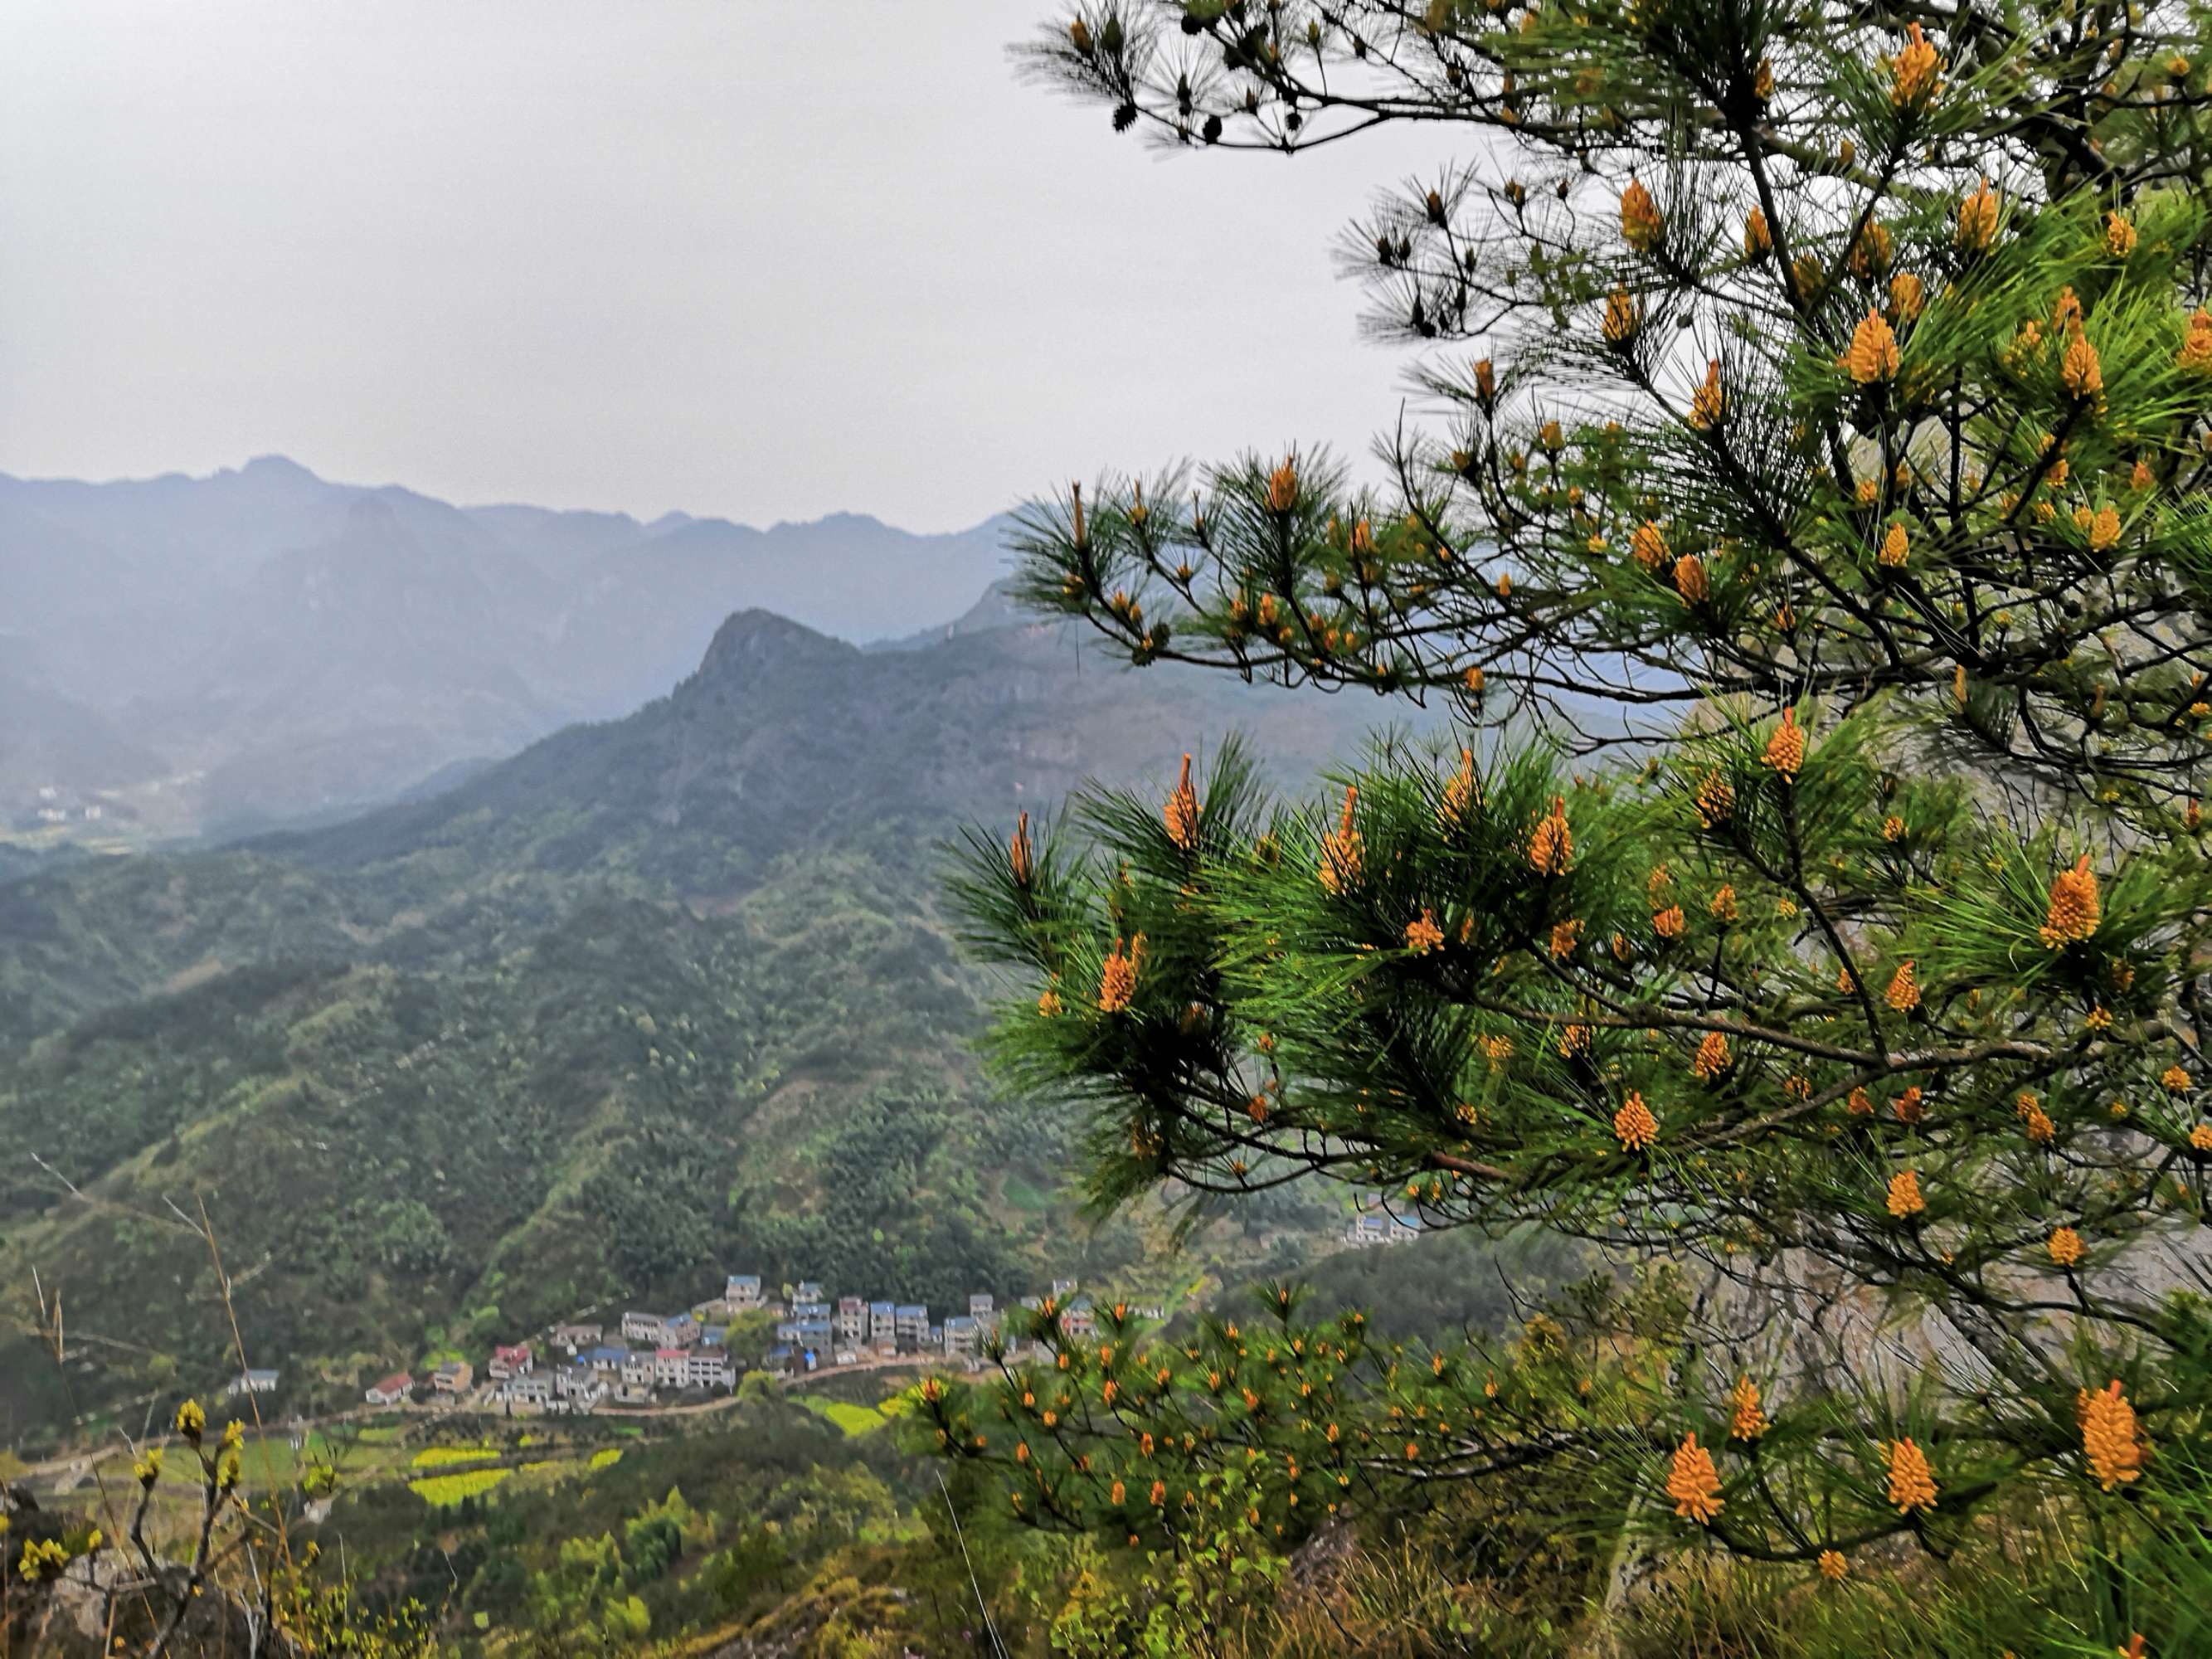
(765, 258)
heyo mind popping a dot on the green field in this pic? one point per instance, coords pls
(853, 1419)
(445, 1491)
(432, 1457)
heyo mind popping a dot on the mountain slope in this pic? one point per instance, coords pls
(655, 997)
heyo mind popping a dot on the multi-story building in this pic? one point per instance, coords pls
(709, 1368)
(741, 1292)
(852, 1322)
(883, 1325)
(910, 1325)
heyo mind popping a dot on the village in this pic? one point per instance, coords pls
(652, 1358)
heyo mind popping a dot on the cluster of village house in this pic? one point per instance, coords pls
(656, 1354)
(668, 1353)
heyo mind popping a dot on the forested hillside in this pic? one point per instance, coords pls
(655, 998)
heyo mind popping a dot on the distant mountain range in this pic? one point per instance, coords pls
(187, 656)
(654, 997)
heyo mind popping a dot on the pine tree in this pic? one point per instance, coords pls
(1815, 552)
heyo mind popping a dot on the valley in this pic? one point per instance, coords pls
(655, 995)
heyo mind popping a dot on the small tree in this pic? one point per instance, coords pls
(1817, 557)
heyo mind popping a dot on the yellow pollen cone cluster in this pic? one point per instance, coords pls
(1180, 813)
(1693, 1483)
(1911, 1481)
(1785, 750)
(1903, 1199)
(1915, 74)
(2110, 1439)
(1634, 1125)
(2076, 906)
(1747, 1420)
(1552, 844)
(1117, 978)
(1641, 225)
(1874, 355)
(1342, 851)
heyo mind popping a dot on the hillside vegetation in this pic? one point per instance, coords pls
(654, 1000)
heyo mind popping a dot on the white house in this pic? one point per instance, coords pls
(661, 1330)
(580, 1386)
(1381, 1229)
(705, 1368)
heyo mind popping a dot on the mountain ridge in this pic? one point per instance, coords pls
(276, 465)
(279, 645)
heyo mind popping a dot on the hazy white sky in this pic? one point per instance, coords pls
(767, 258)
